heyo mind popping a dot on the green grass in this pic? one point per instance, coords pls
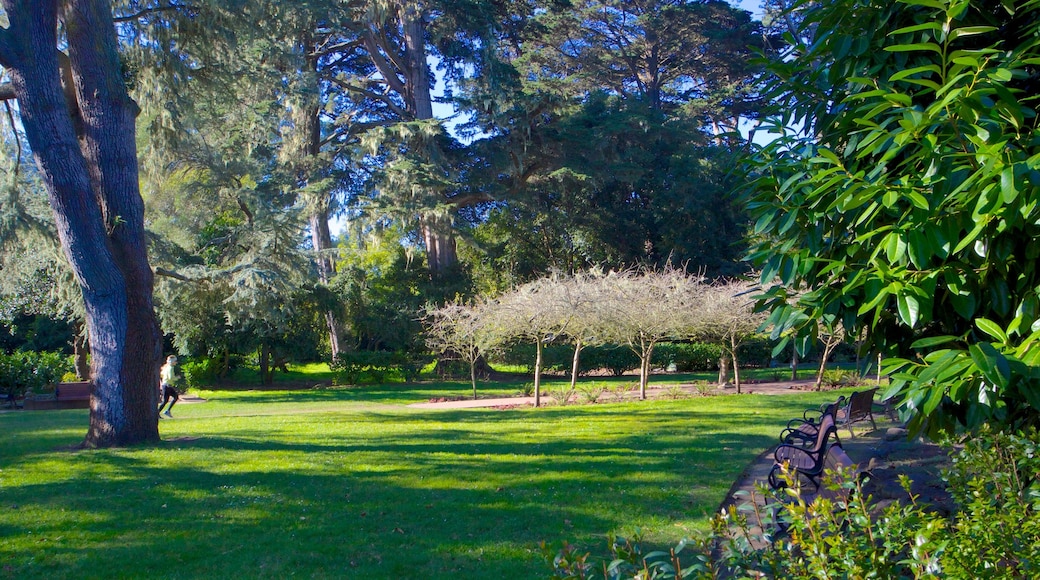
(350, 483)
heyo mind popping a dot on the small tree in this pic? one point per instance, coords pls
(533, 312)
(469, 331)
(831, 335)
(580, 297)
(642, 309)
(729, 318)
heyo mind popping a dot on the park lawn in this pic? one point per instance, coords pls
(327, 483)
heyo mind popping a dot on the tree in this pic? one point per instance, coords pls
(907, 201)
(727, 316)
(80, 123)
(646, 308)
(607, 129)
(466, 330)
(533, 312)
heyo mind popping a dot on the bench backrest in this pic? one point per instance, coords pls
(72, 390)
(860, 404)
(827, 428)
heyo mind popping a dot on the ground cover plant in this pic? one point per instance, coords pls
(326, 483)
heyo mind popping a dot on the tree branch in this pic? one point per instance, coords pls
(336, 48)
(383, 64)
(383, 98)
(152, 10)
(7, 92)
(355, 129)
(171, 274)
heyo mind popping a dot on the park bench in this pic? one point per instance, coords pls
(795, 463)
(860, 407)
(804, 461)
(803, 431)
(66, 396)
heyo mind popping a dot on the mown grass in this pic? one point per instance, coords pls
(351, 483)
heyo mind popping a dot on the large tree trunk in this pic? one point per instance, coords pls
(85, 149)
(436, 228)
(309, 139)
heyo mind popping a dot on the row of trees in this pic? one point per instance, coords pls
(635, 310)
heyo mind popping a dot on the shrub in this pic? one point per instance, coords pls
(996, 533)
(616, 359)
(836, 378)
(591, 393)
(199, 372)
(25, 371)
(556, 358)
(376, 366)
(688, 356)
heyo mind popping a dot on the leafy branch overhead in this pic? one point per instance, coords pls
(905, 202)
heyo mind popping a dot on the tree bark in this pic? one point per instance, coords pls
(436, 228)
(736, 364)
(575, 363)
(309, 125)
(87, 158)
(538, 373)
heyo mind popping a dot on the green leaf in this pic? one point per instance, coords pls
(933, 26)
(1030, 393)
(992, 329)
(970, 31)
(1008, 189)
(926, 3)
(931, 341)
(895, 247)
(991, 363)
(915, 47)
(909, 309)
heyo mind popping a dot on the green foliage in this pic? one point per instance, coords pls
(204, 371)
(615, 359)
(837, 378)
(22, 372)
(556, 358)
(377, 366)
(591, 393)
(688, 356)
(908, 202)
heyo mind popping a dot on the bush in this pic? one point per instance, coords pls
(996, 533)
(377, 366)
(556, 358)
(25, 371)
(688, 356)
(615, 359)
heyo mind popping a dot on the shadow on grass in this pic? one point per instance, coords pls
(460, 493)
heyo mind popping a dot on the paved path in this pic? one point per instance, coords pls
(885, 453)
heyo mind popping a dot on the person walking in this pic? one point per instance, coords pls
(169, 378)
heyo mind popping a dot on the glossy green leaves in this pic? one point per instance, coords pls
(907, 200)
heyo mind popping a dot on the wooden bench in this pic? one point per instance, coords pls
(805, 462)
(803, 431)
(860, 408)
(66, 396)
